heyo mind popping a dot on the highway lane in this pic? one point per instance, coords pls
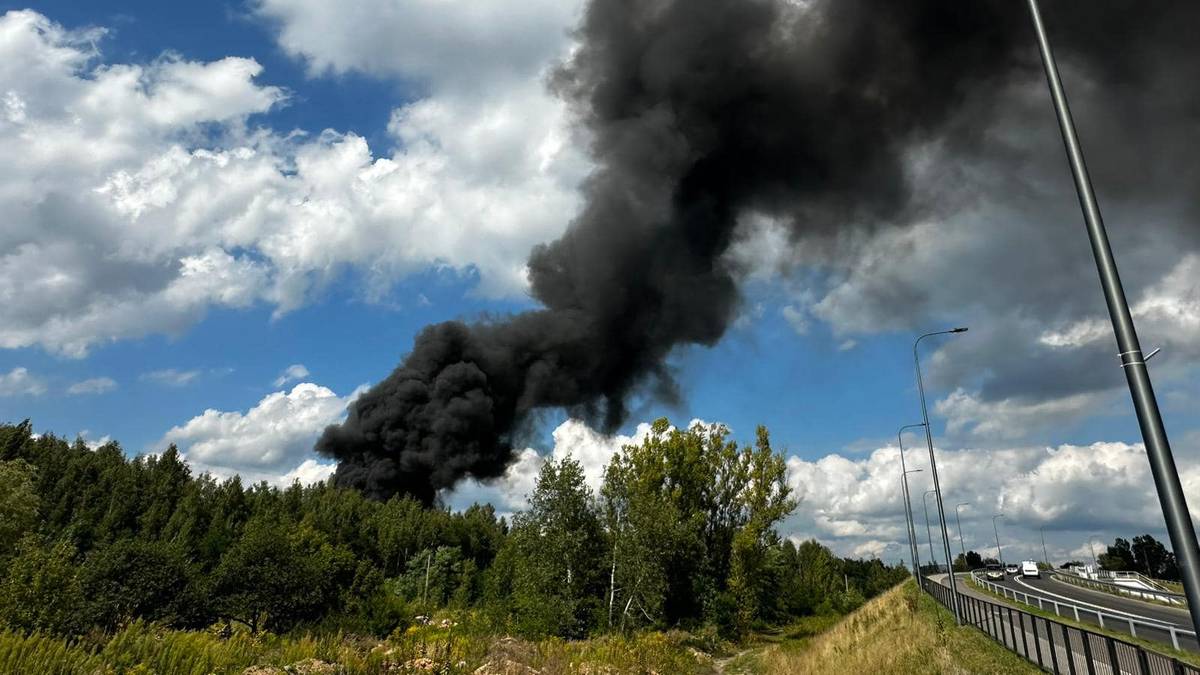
(1052, 591)
(1047, 585)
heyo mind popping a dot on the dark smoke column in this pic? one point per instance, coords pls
(701, 112)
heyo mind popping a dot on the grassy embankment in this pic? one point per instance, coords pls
(901, 631)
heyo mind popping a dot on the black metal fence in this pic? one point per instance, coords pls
(1056, 647)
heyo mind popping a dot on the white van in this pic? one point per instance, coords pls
(1030, 569)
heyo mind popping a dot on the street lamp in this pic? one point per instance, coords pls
(1129, 349)
(996, 530)
(933, 465)
(961, 545)
(912, 529)
(925, 503)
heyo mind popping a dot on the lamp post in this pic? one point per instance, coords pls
(925, 503)
(958, 521)
(1154, 433)
(933, 465)
(912, 531)
(1045, 556)
(996, 530)
(912, 528)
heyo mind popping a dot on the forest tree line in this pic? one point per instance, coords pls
(681, 534)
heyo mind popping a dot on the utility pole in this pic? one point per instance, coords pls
(1154, 433)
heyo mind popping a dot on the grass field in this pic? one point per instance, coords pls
(901, 631)
(445, 649)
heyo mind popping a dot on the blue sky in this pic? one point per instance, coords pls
(820, 353)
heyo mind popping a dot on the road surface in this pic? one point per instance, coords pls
(1051, 591)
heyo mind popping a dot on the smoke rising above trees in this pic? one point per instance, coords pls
(700, 114)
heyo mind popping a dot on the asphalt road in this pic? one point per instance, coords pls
(1051, 590)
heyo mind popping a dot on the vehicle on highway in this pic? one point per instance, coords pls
(1012, 568)
(1030, 569)
(995, 571)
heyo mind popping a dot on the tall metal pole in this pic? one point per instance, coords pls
(1154, 434)
(908, 525)
(933, 469)
(1045, 556)
(928, 532)
(961, 545)
(999, 553)
(1095, 565)
(912, 530)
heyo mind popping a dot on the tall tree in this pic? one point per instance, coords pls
(1118, 557)
(18, 503)
(559, 541)
(1153, 559)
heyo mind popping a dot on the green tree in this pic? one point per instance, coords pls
(764, 501)
(558, 576)
(1153, 559)
(1118, 557)
(134, 579)
(691, 518)
(18, 503)
(276, 576)
(40, 591)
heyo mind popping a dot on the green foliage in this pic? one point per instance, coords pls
(691, 517)
(275, 577)
(681, 534)
(133, 578)
(1145, 554)
(558, 550)
(40, 591)
(18, 502)
(972, 561)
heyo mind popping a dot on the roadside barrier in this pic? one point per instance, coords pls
(1057, 647)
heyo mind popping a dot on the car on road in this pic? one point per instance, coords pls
(1030, 569)
(995, 571)
(1012, 568)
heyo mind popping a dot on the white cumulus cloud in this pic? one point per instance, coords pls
(292, 373)
(271, 441)
(94, 385)
(20, 382)
(139, 196)
(573, 438)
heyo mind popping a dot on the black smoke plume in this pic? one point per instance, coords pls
(700, 112)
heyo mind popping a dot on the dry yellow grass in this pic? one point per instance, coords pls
(898, 632)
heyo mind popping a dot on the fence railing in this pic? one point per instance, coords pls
(1057, 647)
(1118, 589)
(1114, 575)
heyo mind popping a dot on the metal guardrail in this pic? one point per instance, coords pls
(1080, 612)
(1118, 589)
(1057, 647)
(1113, 575)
